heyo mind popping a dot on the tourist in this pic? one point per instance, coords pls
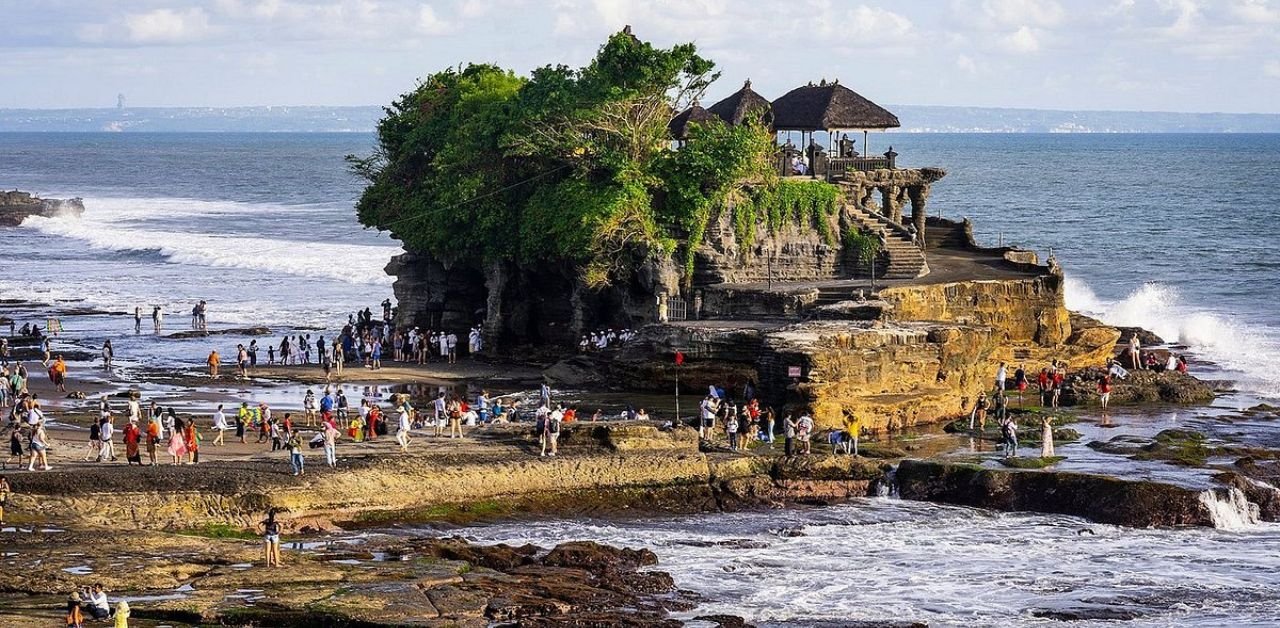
(1020, 381)
(1000, 406)
(153, 438)
(157, 318)
(132, 437)
(1001, 373)
(214, 361)
(980, 413)
(1171, 364)
(191, 439)
(451, 341)
(1115, 370)
(731, 430)
(75, 617)
(46, 349)
(804, 429)
(271, 354)
(295, 453)
(4, 496)
(39, 446)
(107, 354)
(641, 415)
(122, 614)
(1104, 390)
(220, 426)
(95, 437)
(1046, 427)
(58, 373)
(273, 431)
(97, 605)
(271, 539)
(331, 444)
(454, 410)
(242, 362)
(402, 433)
(177, 444)
(707, 411)
(1009, 437)
(1182, 364)
(1059, 380)
(242, 420)
(551, 445)
(1135, 351)
(15, 446)
(106, 432)
(1042, 382)
(137, 319)
(376, 355)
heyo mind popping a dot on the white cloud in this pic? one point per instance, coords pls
(167, 26)
(1187, 16)
(1023, 40)
(1022, 13)
(430, 23)
(1256, 12)
(1271, 69)
(966, 64)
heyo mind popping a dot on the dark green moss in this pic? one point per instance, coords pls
(1031, 462)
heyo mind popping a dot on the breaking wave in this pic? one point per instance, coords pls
(1251, 353)
(108, 226)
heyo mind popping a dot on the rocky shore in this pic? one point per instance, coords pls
(15, 207)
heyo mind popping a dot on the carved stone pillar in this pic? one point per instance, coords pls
(919, 199)
(889, 202)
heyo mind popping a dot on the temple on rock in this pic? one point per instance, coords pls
(823, 285)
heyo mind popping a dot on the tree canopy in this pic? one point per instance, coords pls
(568, 164)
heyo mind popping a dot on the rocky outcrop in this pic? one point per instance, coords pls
(1095, 497)
(16, 206)
(1138, 388)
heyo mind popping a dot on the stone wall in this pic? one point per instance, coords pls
(1021, 310)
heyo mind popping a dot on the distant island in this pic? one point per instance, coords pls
(363, 119)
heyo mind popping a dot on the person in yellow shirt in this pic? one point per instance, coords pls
(58, 373)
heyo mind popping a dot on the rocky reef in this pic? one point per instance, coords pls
(16, 206)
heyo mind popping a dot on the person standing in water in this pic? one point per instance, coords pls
(1046, 426)
(137, 319)
(107, 354)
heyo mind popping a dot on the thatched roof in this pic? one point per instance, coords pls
(679, 125)
(745, 102)
(827, 107)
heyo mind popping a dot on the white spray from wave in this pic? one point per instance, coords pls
(1249, 352)
(108, 227)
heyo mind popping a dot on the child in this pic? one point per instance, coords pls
(75, 618)
(122, 614)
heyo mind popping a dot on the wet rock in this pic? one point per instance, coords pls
(235, 331)
(500, 557)
(15, 207)
(1141, 387)
(1096, 497)
(594, 556)
(576, 372)
(1087, 614)
(724, 621)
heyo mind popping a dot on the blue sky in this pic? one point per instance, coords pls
(1167, 55)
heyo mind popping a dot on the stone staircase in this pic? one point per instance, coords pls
(900, 258)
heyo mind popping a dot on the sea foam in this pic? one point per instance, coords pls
(1251, 353)
(110, 226)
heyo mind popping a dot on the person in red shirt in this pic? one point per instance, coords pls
(132, 436)
(1104, 390)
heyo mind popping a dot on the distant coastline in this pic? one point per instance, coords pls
(362, 119)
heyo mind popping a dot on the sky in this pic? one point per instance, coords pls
(1146, 55)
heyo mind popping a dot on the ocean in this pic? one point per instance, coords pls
(1169, 232)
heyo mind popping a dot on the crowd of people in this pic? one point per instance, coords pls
(602, 339)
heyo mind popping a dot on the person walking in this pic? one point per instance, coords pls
(106, 431)
(402, 433)
(5, 490)
(553, 425)
(95, 438)
(220, 426)
(132, 437)
(153, 438)
(1009, 437)
(214, 362)
(177, 444)
(137, 319)
(39, 447)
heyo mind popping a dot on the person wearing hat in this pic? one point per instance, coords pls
(980, 413)
(75, 618)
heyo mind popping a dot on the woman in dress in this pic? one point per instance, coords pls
(191, 439)
(1046, 425)
(177, 441)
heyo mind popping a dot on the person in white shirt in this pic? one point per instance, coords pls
(551, 427)
(402, 434)
(709, 408)
(451, 341)
(439, 406)
(108, 450)
(219, 425)
(96, 603)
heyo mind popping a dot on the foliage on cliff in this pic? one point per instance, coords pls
(568, 164)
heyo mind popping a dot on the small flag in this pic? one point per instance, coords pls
(679, 358)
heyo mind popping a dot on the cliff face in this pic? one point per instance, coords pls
(16, 206)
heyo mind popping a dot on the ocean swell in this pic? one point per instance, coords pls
(1248, 353)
